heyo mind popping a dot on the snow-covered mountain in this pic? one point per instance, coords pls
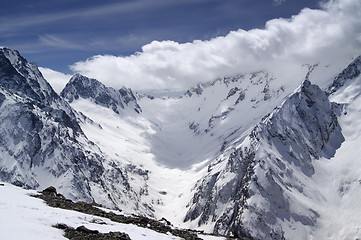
(286, 178)
(255, 180)
(257, 155)
(43, 144)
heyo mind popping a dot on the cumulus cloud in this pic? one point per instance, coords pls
(56, 79)
(334, 32)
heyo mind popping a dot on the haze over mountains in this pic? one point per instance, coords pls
(253, 155)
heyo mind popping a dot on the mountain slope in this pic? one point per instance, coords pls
(276, 183)
(43, 144)
(252, 181)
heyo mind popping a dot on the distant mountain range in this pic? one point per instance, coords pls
(247, 156)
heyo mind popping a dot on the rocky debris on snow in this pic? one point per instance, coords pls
(83, 233)
(54, 199)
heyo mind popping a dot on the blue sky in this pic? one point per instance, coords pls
(58, 33)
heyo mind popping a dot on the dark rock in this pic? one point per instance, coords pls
(57, 200)
(61, 226)
(241, 97)
(86, 230)
(232, 92)
(83, 233)
(352, 71)
(49, 190)
(166, 221)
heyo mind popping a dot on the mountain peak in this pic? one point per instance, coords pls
(80, 86)
(24, 78)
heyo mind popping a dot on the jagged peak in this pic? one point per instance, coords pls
(9, 51)
(227, 80)
(24, 78)
(76, 76)
(312, 91)
(81, 78)
(19, 61)
(90, 88)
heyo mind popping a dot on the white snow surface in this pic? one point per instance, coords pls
(338, 179)
(24, 217)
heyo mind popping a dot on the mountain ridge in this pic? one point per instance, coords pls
(88, 88)
(246, 152)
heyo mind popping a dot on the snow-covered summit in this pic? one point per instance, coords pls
(24, 78)
(92, 89)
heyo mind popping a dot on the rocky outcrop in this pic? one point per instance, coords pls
(53, 199)
(82, 233)
(352, 71)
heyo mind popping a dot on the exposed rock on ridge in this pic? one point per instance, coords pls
(352, 71)
(92, 89)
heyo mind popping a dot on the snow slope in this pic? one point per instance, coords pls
(339, 178)
(29, 216)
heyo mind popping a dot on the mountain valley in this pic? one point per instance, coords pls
(256, 155)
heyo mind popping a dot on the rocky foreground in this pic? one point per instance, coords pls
(54, 199)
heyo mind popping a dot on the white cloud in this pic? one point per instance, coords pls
(309, 37)
(56, 79)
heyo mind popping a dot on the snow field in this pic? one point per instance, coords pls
(23, 216)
